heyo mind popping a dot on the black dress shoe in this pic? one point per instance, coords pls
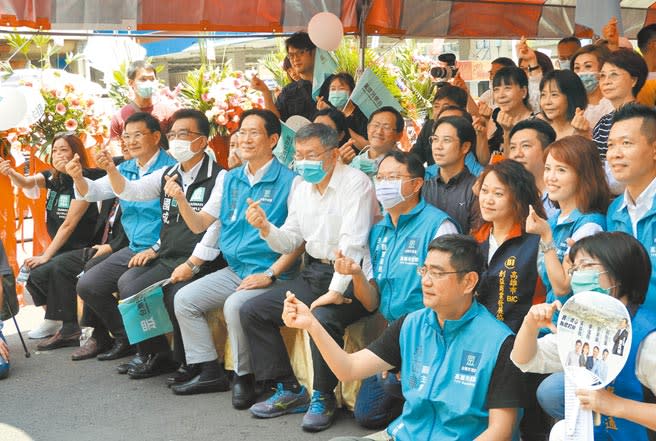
(243, 391)
(198, 386)
(120, 349)
(135, 361)
(155, 364)
(184, 373)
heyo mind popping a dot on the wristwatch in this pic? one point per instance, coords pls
(195, 269)
(270, 275)
(545, 247)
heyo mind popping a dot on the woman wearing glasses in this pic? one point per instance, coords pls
(71, 225)
(615, 264)
(574, 178)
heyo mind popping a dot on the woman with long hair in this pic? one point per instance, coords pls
(71, 224)
(586, 63)
(563, 101)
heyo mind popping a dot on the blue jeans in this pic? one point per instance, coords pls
(551, 395)
(4, 364)
(379, 401)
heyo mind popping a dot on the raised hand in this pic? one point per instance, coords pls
(345, 265)
(258, 84)
(321, 104)
(536, 225)
(172, 188)
(524, 52)
(346, 152)
(5, 167)
(74, 168)
(539, 316)
(610, 33)
(580, 123)
(484, 110)
(256, 216)
(480, 124)
(104, 160)
(506, 121)
(295, 313)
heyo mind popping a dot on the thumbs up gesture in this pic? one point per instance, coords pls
(256, 216)
(74, 168)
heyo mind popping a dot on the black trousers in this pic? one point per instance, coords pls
(261, 318)
(53, 284)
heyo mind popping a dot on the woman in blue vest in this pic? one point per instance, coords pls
(575, 180)
(618, 265)
(71, 225)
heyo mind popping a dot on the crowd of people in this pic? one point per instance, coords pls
(467, 245)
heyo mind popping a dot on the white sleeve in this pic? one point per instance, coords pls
(213, 204)
(99, 190)
(143, 189)
(367, 268)
(447, 227)
(208, 247)
(646, 362)
(288, 237)
(546, 360)
(586, 230)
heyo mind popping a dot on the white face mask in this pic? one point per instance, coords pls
(389, 193)
(180, 149)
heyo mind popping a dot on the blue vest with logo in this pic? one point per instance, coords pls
(561, 232)
(395, 254)
(445, 374)
(626, 385)
(243, 249)
(142, 220)
(619, 220)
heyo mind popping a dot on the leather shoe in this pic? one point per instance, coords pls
(184, 373)
(243, 391)
(198, 386)
(155, 364)
(60, 341)
(120, 349)
(89, 349)
(134, 361)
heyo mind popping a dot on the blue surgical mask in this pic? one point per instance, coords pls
(389, 193)
(587, 280)
(145, 89)
(564, 64)
(310, 171)
(589, 80)
(364, 164)
(338, 98)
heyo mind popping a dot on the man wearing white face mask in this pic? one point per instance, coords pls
(142, 79)
(197, 176)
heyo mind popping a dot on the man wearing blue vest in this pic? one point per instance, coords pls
(457, 385)
(141, 222)
(632, 159)
(252, 266)
(388, 279)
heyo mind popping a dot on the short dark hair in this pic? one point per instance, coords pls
(410, 160)
(286, 63)
(300, 40)
(464, 128)
(634, 110)
(546, 134)
(271, 121)
(400, 122)
(511, 75)
(463, 112)
(578, 342)
(625, 259)
(569, 85)
(202, 123)
(465, 252)
(336, 116)
(326, 135)
(343, 77)
(645, 36)
(151, 122)
(544, 62)
(634, 64)
(139, 64)
(452, 93)
(504, 61)
(570, 39)
(600, 52)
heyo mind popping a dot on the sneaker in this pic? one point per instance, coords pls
(321, 413)
(47, 328)
(282, 402)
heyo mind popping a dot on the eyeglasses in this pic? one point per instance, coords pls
(247, 133)
(583, 265)
(384, 127)
(391, 177)
(297, 54)
(310, 157)
(434, 274)
(136, 136)
(181, 134)
(613, 76)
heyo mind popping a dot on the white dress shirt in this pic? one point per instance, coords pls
(339, 219)
(638, 208)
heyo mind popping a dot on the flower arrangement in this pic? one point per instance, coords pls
(222, 94)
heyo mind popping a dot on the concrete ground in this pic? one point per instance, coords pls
(49, 397)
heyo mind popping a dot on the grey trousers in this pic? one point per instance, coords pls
(216, 290)
(378, 436)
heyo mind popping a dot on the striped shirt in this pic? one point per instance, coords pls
(600, 133)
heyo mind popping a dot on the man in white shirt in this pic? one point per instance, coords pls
(332, 210)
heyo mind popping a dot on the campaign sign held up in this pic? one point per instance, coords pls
(324, 66)
(370, 94)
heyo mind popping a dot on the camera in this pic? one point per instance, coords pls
(448, 72)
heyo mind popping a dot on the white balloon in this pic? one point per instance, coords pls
(326, 30)
(20, 107)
